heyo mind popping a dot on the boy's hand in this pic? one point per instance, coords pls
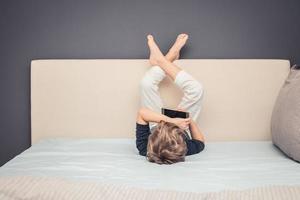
(181, 122)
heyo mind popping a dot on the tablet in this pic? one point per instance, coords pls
(174, 113)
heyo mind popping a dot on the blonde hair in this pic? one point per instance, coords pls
(166, 145)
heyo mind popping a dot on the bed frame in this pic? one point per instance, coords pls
(100, 98)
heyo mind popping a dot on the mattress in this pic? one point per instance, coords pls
(222, 165)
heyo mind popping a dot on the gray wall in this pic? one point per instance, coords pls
(34, 29)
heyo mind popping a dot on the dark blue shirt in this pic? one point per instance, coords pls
(143, 132)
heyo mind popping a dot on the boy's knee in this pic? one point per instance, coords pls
(147, 83)
(152, 78)
(196, 91)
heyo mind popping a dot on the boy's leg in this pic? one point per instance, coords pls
(192, 89)
(150, 97)
(192, 93)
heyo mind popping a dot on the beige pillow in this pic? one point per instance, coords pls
(285, 124)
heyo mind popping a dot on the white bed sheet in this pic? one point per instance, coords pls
(222, 165)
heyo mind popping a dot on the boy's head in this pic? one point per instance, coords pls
(166, 145)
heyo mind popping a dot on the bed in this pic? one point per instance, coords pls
(83, 137)
(223, 165)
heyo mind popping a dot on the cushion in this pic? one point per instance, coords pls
(285, 123)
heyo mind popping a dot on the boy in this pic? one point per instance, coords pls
(160, 138)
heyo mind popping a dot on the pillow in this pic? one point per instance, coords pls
(285, 123)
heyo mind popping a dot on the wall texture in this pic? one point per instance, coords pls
(116, 29)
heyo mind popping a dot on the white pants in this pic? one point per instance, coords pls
(192, 91)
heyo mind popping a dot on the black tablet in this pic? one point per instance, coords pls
(174, 113)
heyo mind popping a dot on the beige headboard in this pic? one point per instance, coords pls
(100, 98)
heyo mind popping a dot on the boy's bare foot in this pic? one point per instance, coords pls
(174, 51)
(155, 54)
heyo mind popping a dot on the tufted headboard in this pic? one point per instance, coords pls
(100, 98)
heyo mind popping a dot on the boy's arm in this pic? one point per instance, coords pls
(146, 115)
(195, 131)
